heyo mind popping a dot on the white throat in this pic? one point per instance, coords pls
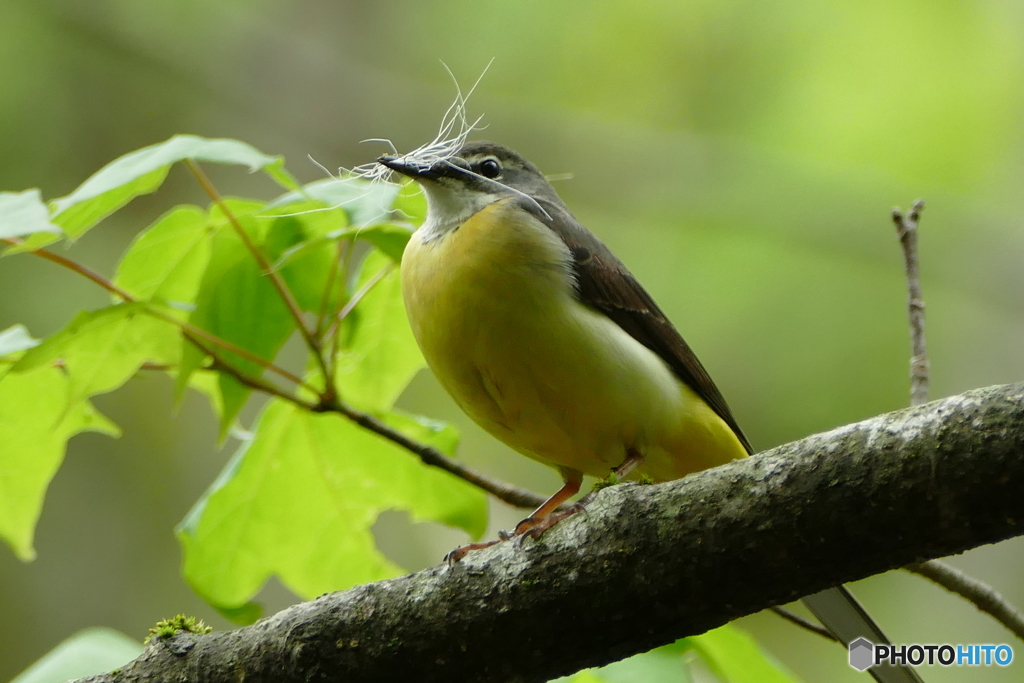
(449, 207)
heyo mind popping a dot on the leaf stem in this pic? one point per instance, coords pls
(76, 267)
(325, 301)
(265, 266)
(191, 332)
(357, 297)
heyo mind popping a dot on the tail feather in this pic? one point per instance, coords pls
(841, 614)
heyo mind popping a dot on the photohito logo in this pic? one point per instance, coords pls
(864, 654)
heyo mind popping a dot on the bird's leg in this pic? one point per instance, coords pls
(633, 459)
(573, 481)
(545, 517)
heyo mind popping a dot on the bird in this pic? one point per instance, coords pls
(545, 339)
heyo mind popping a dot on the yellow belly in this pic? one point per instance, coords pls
(553, 379)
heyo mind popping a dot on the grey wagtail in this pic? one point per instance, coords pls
(546, 340)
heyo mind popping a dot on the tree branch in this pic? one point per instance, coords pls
(981, 594)
(906, 230)
(649, 564)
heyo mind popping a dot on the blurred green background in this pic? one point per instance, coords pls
(740, 156)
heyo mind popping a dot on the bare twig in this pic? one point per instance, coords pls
(906, 230)
(795, 618)
(982, 595)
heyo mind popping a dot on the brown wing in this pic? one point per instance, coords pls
(605, 284)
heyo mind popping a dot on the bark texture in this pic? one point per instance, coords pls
(646, 565)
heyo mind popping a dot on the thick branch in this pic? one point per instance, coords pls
(649, 564)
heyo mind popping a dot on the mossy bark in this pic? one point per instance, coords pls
(646, 565)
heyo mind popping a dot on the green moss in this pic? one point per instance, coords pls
(612, 480)
(165, 628)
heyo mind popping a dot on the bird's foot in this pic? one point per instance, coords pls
(459, 553)
(533, 527)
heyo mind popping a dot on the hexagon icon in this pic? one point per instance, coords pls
(862, 654)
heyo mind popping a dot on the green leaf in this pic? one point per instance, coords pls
(586, 676)
(207, 383)
(23, 213)
(732, 655)
(390, 238)
(662, 665)
(166, 260)
(735, 657)
(87, 653)
(35, 424)
(379, 355)
(245, 614)
(102, 349)
(16, 338)
(141, 172)
(305, 271)
(299, 501)
(238, 303)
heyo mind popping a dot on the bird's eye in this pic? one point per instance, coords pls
(489, 168)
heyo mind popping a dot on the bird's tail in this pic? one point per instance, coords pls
(841, 614)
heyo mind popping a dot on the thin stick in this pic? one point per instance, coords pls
(76, 267)
(984, 597)
(906, 230)
(268, 269)
(513, 495)
(192, 333)
(805, 623)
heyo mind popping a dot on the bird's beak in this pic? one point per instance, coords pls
(411, 168)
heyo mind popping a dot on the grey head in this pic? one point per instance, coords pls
(479, 174)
